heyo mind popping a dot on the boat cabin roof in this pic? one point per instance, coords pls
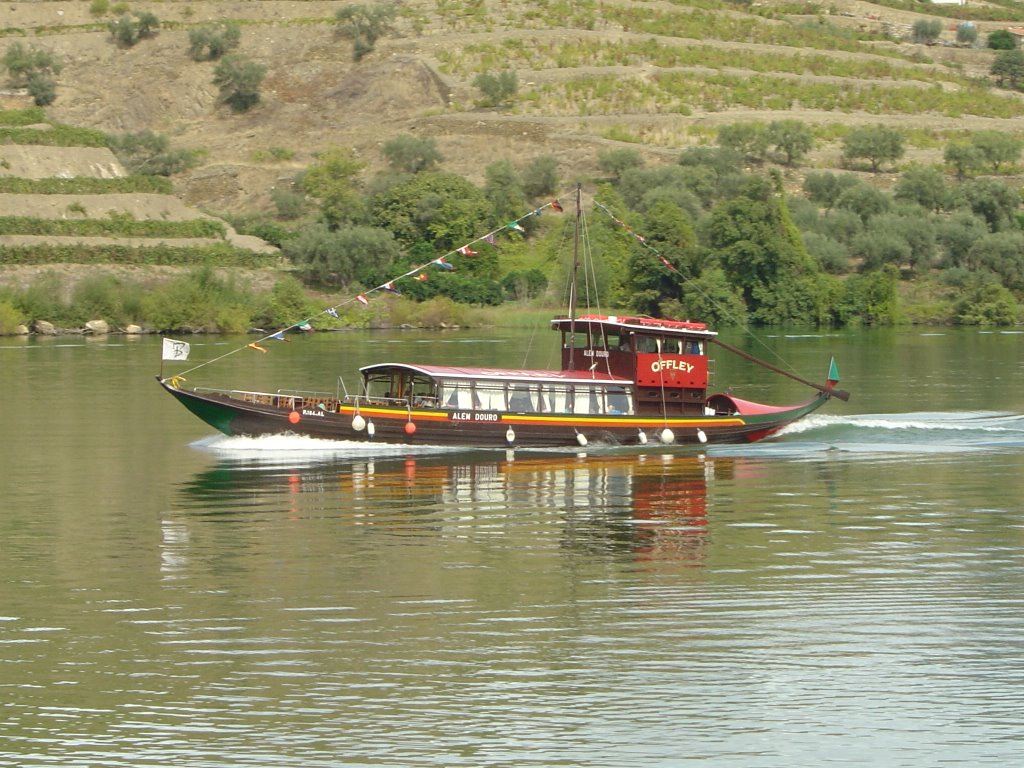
(454, 373)
(650, 325)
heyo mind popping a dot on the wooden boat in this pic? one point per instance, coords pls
(623, 380)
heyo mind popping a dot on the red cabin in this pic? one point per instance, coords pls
(667, 359)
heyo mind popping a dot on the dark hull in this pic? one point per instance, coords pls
(480, 429)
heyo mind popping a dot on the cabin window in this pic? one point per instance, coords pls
(618, 400)
(491, 397)
(519, 398)
(543, 405)
(457, 396)
(646, 344)
(559, 398)
(587, 400)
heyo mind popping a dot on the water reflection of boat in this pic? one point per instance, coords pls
(649, 504)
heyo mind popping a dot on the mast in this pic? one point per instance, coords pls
(572, 283)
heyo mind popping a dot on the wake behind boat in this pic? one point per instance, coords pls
(623, 380)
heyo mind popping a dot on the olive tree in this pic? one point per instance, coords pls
(497, 88)
(876, 143)
(211, 42)
(239, 79)
(411, 154)
(33, 69)
(364, 25)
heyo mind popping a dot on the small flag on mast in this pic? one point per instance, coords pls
(833, 374)
(175, 350)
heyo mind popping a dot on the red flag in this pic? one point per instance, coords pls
(422, 277)
(363, 300)
(467, 251)
(256, 346)
(556, 205)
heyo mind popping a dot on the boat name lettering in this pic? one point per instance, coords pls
(671, 365)
(595, 353)
(470, 416)
(311, 412)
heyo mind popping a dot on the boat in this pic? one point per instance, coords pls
(623, 380)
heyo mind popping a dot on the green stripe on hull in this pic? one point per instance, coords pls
(217, 416)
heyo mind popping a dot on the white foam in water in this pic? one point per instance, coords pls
(274, 449)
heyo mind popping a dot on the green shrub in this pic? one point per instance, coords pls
(131, 28)
(150, 154)
(211, 42)
(497, 88)
(239, 79)
(10, 318)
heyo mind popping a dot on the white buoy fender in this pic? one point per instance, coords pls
(358, 423)
(643, 437)
(701, 437)
(370, 429)
(581, 439)
(667, 436)
(510, 435)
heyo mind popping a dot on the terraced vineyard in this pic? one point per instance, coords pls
(658, 75)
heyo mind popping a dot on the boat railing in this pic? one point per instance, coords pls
(289, 399)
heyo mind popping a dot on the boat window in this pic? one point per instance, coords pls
(491, 397)
(694, 347)
(542, 400)
(672, 346)
(618, 400)
(559, 398)
(581, 401)
(646, 344)
(457, 396)
(519, 398)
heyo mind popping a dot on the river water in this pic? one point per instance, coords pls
(851, 592)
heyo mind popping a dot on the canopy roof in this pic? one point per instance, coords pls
(497, 374)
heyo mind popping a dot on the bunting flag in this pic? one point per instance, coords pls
(422, 277)
(361, 298)
(332, 312)
(515, 226)
(467, 251)
(443, 264)
(557, 206)
(279, 336)
(256, 346)
(390, 288)
(305, 327)
(491, 239)
(667, 263)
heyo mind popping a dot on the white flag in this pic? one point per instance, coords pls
(175, 350)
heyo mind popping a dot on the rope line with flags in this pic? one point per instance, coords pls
(416, 273)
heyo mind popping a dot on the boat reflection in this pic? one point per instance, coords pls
(652, 505)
